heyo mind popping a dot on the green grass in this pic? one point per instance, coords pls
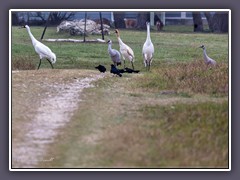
(196, 134)
(169, 47)
(182, 28)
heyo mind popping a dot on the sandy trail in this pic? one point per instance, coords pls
(54, 111)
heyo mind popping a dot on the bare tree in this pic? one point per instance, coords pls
(41, 16)
(58, 17)
(119, 20)
(197, 22)
(33, 18)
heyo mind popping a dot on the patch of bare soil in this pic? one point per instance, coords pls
(42, 102)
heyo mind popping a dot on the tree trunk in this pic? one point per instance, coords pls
(217, 22)
(142, 18)
(220, 22)
(209, 17)
(15, 20)
(119, 20)
(197, 22)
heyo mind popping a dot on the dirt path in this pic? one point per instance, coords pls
(53, 100)
(55, 124)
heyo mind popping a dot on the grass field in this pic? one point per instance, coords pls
(175, 116)
(169, 47)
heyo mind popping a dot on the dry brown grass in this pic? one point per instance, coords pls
(22, 63)
(191, 78)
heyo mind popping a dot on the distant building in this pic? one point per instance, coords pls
(172, 18)
(181, 18)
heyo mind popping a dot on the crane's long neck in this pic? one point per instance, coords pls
(148, 34)
(34, 41)
(120, 41)
(109, 48)
(205, 54)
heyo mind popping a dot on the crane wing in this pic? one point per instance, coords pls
(43, 50)
(114, 52)
(130, 52)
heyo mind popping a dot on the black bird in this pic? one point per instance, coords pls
(122, 70)
(114, 70)
(101, 68)
(131, 70)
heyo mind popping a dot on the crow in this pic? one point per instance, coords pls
(114, 70)
(101, 68)
(131, 70)
(122, 70)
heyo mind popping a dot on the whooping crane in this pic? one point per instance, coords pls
(42, 50)
(125, 50)
(148, 49)
(207, 60)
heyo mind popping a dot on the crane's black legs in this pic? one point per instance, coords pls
(132, 65)
(150, 63)
(39, 64)
(148, 66)
(50, 63)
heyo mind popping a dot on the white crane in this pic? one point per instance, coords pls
(114, 54)
(207, 60)
(125, 50)
(148, 49)
(42, 50)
